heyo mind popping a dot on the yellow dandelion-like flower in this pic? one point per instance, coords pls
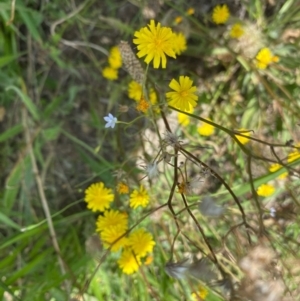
(115, 58)
(265, 57)
(143, 105)
(112, 218)
(179, 43)
(178, 20)
(236, 31)
(152, 96)
(220, 14)
(110, 73)
(148, 260)
(190, 11)
(122, 188)
(155, 43)
(294, 155)
(135, 91)
(242, 139)
(141, 242)
(139, 198)
(98, 197)
(184, 119)
(184, 96)
(111, 237)
(274, 167)
(205, 129)
(201, 294)
(128, 262)
(265, 190)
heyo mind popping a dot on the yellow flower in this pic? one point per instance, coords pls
(112, 218)
(236, 31)
(111, 238)
(115, 58)
(242, 139)
(184, 96)
(294, 155)
(135, 90)
(190, 11)
(153, 96)
(265, 57)
(178, 19)
(141, 242)
(110, 73)
(265, 190)
(142, 105)
(98, 197)
(139, 198)
(205, 129)
(148, 260)
(179, 43)
(274, 167)
(122, 188)
(184, 119)
(128, 262)
(155, 43)
(220, 14)
(201, 294)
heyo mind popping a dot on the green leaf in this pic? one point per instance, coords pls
(27, 101)
(7, 221)
(11, 132)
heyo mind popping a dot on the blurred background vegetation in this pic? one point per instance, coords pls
(53, 146)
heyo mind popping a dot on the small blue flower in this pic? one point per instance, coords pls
(111, 121)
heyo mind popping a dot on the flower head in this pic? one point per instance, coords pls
(243, 139)
(294, 155)
(143, 105)
(111, 121)
(115, 58)
(110, 73)
(274, 167)
(220, 14)
(98, 197)
(128, 262)
(205, 129)
(141, 242)
(200, 294)
(122, 188)
(113, 237)
(179, 43)
(183, 97)
(178, 20)
(155, 43)
(190, 11)
(265, 57)
(151, 170)
(265, 190)
(236, 31)
(184, 119)
(135, 91)
(139, 198)
(112, 218)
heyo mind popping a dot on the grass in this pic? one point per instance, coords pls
(54, 145)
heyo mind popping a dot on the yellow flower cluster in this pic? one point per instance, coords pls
(115, 62)
(135, 92)
(200, 294)
(264, 58)
(112, 225)
(294, 155)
